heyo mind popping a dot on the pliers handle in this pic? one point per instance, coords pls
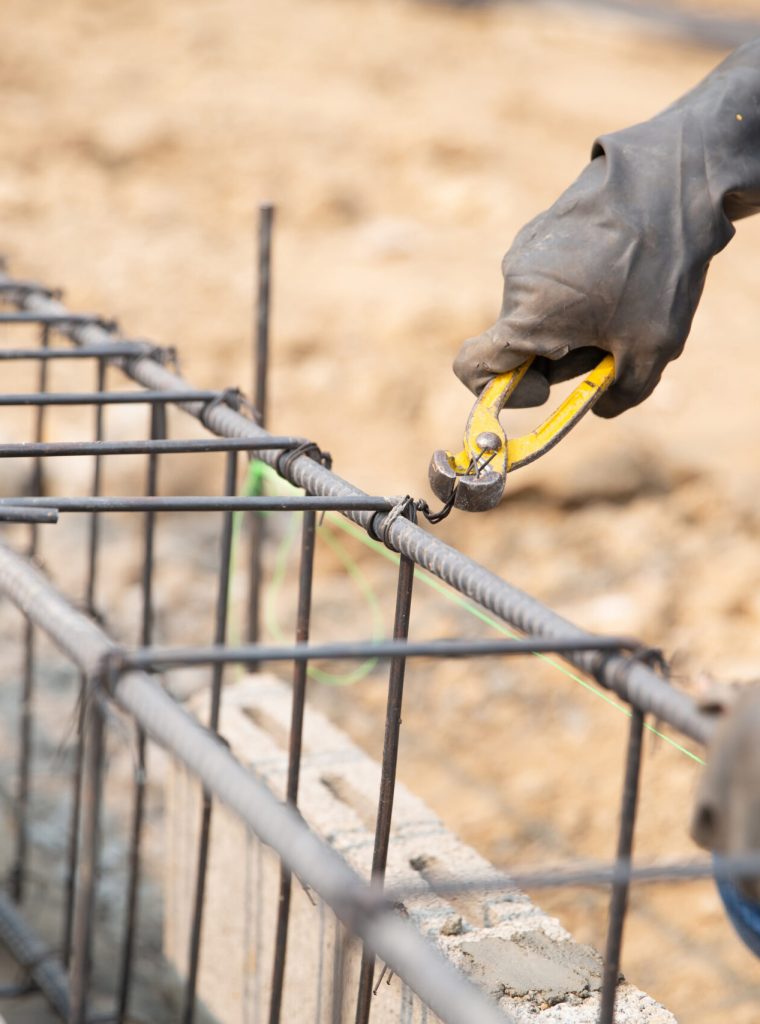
(478, 472)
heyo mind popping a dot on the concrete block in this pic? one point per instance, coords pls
(503, 941)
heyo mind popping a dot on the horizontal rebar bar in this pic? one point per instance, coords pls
(54, 318)
(634, 682)
(123, 349)
(21, 514)
(728, 868)
(201, 503)
(48, 449)
(107, 397)
(419, 964)
(178, 657)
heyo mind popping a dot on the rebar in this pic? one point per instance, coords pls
(110, 673)
(620, 889)
(28, 686)
(87, 864)
(38, 961)
(157, 433)
(295, 746)
(636, 683)
(387, 771)
(437, 983)
(256, 523)
(204, 839)
(93, 549)
(176, 657)
(50, 449)
(201, 503)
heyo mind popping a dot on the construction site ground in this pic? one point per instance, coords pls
(404, 144)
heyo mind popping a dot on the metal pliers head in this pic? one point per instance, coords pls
(475, 476)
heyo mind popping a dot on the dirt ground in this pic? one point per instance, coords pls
(404, 144)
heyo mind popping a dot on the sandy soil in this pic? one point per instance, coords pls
(404, 144)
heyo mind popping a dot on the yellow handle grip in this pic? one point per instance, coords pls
(519, 451)
(522, 450)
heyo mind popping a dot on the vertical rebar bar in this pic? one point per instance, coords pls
(388, 769)
(157, 430)
(306, 577)
(619, 894)
(340, 955)
(94, 523)
(93, 548)
(263, 307)
(87, 863)
(220, 634)
(26, 723)
(261, 372)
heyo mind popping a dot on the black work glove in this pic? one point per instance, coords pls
(618, 263)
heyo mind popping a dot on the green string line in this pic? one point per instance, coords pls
(264, 472)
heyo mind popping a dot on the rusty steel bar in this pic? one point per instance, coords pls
(636, 683)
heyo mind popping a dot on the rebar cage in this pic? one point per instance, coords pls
(118, 673)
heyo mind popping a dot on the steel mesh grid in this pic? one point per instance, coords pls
(614, 662)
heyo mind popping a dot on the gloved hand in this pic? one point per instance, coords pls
(618, 263)
(726, 817)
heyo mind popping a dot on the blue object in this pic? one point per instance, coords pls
(744, 913)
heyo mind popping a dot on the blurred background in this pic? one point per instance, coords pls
(404, 143)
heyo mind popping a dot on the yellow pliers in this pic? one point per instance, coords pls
(475, 477)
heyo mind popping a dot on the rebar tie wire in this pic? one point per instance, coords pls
(437, 517)
(285, 460)
(231, 397)
(164, 355)
(406, 507)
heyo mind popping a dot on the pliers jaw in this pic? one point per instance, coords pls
(476, 476)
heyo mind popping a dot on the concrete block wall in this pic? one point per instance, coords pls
(505, 943)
